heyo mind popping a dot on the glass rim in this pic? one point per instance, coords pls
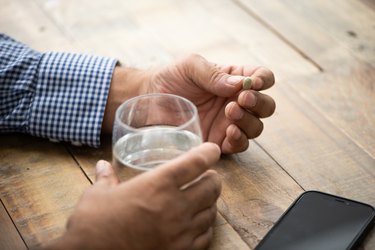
(133, 99)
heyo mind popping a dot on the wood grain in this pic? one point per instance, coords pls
(40, 184)
(314, 152)
(318, 29)
(226, 238)
(26, 22)
(344, 92)
(9, 236)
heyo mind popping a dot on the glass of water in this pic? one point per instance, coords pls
(154, 128)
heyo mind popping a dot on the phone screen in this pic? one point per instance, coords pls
(319, 221)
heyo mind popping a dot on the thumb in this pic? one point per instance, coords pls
(210, 77)
(105, 175)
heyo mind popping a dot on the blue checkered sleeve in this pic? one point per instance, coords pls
(55, 95)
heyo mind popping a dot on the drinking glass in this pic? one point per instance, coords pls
(154, 128)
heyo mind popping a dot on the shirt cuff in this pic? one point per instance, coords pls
(70, 97)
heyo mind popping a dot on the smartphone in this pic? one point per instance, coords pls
(318, 220)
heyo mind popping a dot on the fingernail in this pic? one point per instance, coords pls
(257, 83)
(101, 166)
(238, 114)
(247, 99)
(233, 80)
(247, 82)
(253, 100)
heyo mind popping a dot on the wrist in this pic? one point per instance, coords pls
(125, 84)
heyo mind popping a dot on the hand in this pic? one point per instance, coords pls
(229, 116)
(159, 209)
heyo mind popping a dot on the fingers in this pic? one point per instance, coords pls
(250, 124)
(203, 193)
(259, 104)
(235, 140)
(262, 78)
(201, 226)
(105, 175)
(210, 77)
(202, 221)
(224, 81)
(190, 165)
(203, 240)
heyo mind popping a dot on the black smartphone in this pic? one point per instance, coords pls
(318, 220)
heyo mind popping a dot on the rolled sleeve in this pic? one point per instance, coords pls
(70, 97)
(18, 67)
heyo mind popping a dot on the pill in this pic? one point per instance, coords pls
(246, 83)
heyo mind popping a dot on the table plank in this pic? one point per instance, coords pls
(226, 238)
(26, 22)
(106, 28)
(344, 92)
(9, 236)
(326, 31)
(40, 184)
(352, 26)
(314, 152)
(256, 191)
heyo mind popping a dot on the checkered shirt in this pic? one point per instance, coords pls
(55, 95)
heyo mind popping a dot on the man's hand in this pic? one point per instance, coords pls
(166, 208)
(229, 115)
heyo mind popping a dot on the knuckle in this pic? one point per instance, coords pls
(213, 213)
(215, 185)
(199, 160)
(268, 75)
(258, 130)
(239, 145)
(267, 72)
(244, 145)
(189, 62)
(270, 108)
(208, 239)
(192, 58)
(207, 221)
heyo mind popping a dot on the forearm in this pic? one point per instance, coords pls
(126, 83)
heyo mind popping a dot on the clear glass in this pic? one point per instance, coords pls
(154, 128)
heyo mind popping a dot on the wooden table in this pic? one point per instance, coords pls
(321, 137)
